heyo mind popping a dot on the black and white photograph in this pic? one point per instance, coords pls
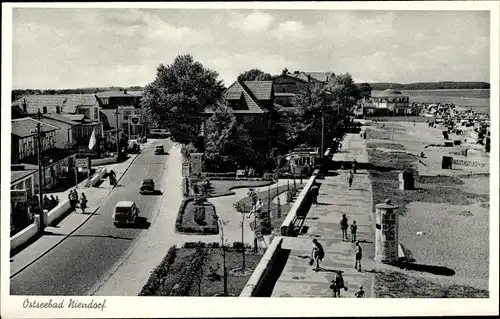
(219, 152)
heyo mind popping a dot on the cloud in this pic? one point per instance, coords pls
(92, 47)
(252, 23)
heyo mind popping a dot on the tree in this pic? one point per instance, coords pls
(343, 92)
(254, 75)
(175, 99)
(228, 141)
(366, 90)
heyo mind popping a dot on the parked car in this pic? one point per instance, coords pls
(147, 186)
(159, 150)
(126, 212)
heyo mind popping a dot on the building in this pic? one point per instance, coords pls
(24, 136)
(57, 162)
(23, 180)
(130, 114)
(252, 103)
(60, 103)
(74, 131)
(288, 84)
(390, 102)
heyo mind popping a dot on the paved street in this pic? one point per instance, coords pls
(79, 262)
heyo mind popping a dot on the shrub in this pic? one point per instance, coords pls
(157, 275)
(180, 214)
(199, 215)
(265, 226)
(194, 244)
(290, 195)
(227, 174)
(268, 176)
(238, 246)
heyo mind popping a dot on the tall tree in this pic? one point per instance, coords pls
(366, 90)
(228, 141)
(254, 75)
(179, 93)
(343, 92)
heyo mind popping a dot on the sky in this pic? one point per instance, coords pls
(73, 48)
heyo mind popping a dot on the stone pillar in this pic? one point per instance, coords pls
(386, 233)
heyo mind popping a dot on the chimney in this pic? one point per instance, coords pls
(25, 106)
(58, 109)
(124, 91)
(308, 78)
(44, 110)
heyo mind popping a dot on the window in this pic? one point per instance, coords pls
(96, 113)
(105, 101)
(30, 148)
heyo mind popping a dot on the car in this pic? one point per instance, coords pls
(126, 212)
(159, 150)
(147, 186)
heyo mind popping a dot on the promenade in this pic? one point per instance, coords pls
(298, 278)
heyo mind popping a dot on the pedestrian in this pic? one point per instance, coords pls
(314, 194)
(53, 202)
(337, 284)
(354, 166)
(360, 293)
(46, 202)
(343, 226)
(57, 200)
(317, 253)
(359, 254)
(72, 198)
(350, 178)
(83, 203)
(354, 229)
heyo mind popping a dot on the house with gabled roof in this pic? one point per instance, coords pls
(23, 138)
(252, 103)
(288, 84)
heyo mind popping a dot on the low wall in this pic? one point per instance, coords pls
(291, 217)
(103, 161)
(263, 270)
(56, 212)
(24, 235)
(96, 177)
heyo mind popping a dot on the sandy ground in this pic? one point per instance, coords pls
(456, 236)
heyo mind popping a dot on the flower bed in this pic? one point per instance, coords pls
(196, 217)
(157, 276)
(225, 187)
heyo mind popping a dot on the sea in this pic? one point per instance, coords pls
(476, 99)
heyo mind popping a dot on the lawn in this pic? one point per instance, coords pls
(267, 197)
(399, 285)
(223, 188)
(417, 119)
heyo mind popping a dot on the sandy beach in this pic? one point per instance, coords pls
(450, 206)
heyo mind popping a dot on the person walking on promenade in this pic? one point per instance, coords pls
(360, 293)
(354, 166)
(317, 253)
(337, 284)
(57, 200)
(350, 178)
(71, 198)
(359, 254)
(343, 226)
(354, 229)
(83, 203)
(53, 202)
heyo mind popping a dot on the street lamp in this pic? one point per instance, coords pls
(39, 133)
(117, 126)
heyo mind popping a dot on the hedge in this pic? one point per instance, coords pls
(193, 244)
(190, 271)
(155, 279)
(180, 214)
(211, 174)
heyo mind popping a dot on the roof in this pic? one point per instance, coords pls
(252, 91)
(20, 174)
(26, 127)
(284, 94)
(136, 93)
(261, 89)
(318, 76)
(68, 102)
(115, 93)
(61, 118)
(389, 92)
(124, 203)
(73, 117)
